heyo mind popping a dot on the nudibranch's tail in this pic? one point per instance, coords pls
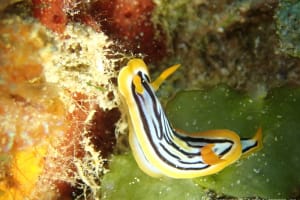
(253, 144)
(209, 156)
(163, 76)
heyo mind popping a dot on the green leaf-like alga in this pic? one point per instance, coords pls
(272, 172)
(127, 182)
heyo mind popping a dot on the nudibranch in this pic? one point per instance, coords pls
(160, 149)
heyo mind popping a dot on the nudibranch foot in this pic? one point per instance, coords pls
(141, 159)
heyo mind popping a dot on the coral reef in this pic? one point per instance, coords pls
(32, 113)
(58, 110)
(60, 113)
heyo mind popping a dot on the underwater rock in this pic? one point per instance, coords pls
(288, 26)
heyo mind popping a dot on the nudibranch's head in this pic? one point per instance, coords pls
(135, 72)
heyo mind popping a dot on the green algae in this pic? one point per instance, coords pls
(126, 181)
(271, 172)
(288, 26)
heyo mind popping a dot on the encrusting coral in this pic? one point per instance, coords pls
(51, 90)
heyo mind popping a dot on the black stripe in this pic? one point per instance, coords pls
(147, 129)
(164, 123)
(203, 140)
(155, 104)
(183, 162)
(225, 151)
(249, 147)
